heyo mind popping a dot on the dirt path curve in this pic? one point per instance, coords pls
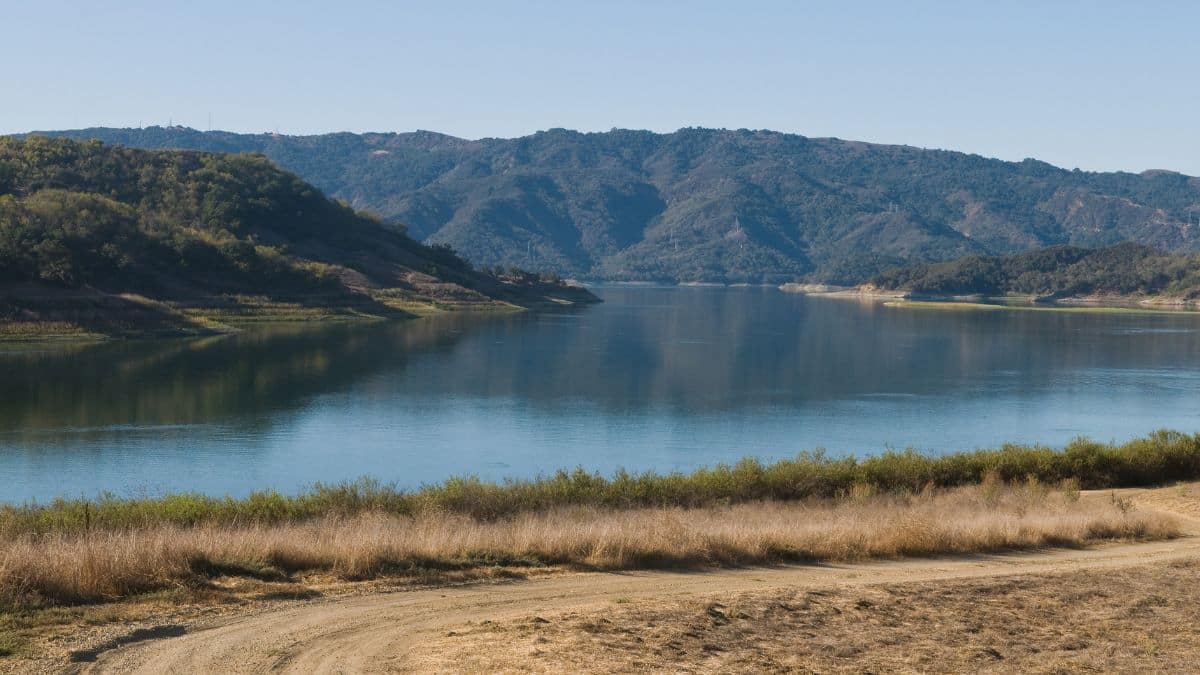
(377, 633)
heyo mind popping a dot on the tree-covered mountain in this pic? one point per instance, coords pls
(190, 226)
(703, 204)
(1059, 272)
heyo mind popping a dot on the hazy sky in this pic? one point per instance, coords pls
(1098, 85)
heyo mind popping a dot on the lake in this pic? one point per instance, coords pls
(654, 378)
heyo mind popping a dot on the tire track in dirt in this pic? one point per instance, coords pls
(377, 633)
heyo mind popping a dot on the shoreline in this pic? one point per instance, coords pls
(31, 314)
(985, 306)
(1166, 455)
(899, 298)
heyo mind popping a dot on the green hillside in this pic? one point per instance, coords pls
(106, 234)
(715, 205)
(1058, 272)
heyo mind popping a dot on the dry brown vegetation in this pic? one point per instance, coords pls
(38, 569)
(1131, 620)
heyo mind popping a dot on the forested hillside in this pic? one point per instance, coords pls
(1058, 272)
(718, 205)
(176, 225)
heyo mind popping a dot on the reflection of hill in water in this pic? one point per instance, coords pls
(694, 351)
(240, 378)
(711, 350)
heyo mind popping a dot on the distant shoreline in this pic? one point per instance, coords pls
(898, 298)
(590, 283)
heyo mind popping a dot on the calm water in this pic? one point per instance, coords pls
(654, 378)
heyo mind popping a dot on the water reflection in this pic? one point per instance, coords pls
(662, 378)
(240, 379)
(714, 350)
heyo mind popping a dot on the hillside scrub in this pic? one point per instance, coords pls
(87, 228)
(1064, 271)
(75, 214)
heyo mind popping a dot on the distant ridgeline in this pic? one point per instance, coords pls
(713, 205)
(1058, 272)
(178, 225)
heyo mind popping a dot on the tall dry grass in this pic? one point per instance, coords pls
(72, 568)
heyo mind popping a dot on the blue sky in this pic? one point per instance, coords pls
(1096, 85)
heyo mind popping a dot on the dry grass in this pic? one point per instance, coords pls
(73, 568)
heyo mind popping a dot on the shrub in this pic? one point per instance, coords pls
(1162, 457)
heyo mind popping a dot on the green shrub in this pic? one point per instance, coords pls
(1162, 457)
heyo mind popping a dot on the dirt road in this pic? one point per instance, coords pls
(379, 633)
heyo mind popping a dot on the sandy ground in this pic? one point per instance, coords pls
(997, 612)
(1128, 620)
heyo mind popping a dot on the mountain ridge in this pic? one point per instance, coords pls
(713, 205)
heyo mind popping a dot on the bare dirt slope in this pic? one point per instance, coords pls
(407, 630)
